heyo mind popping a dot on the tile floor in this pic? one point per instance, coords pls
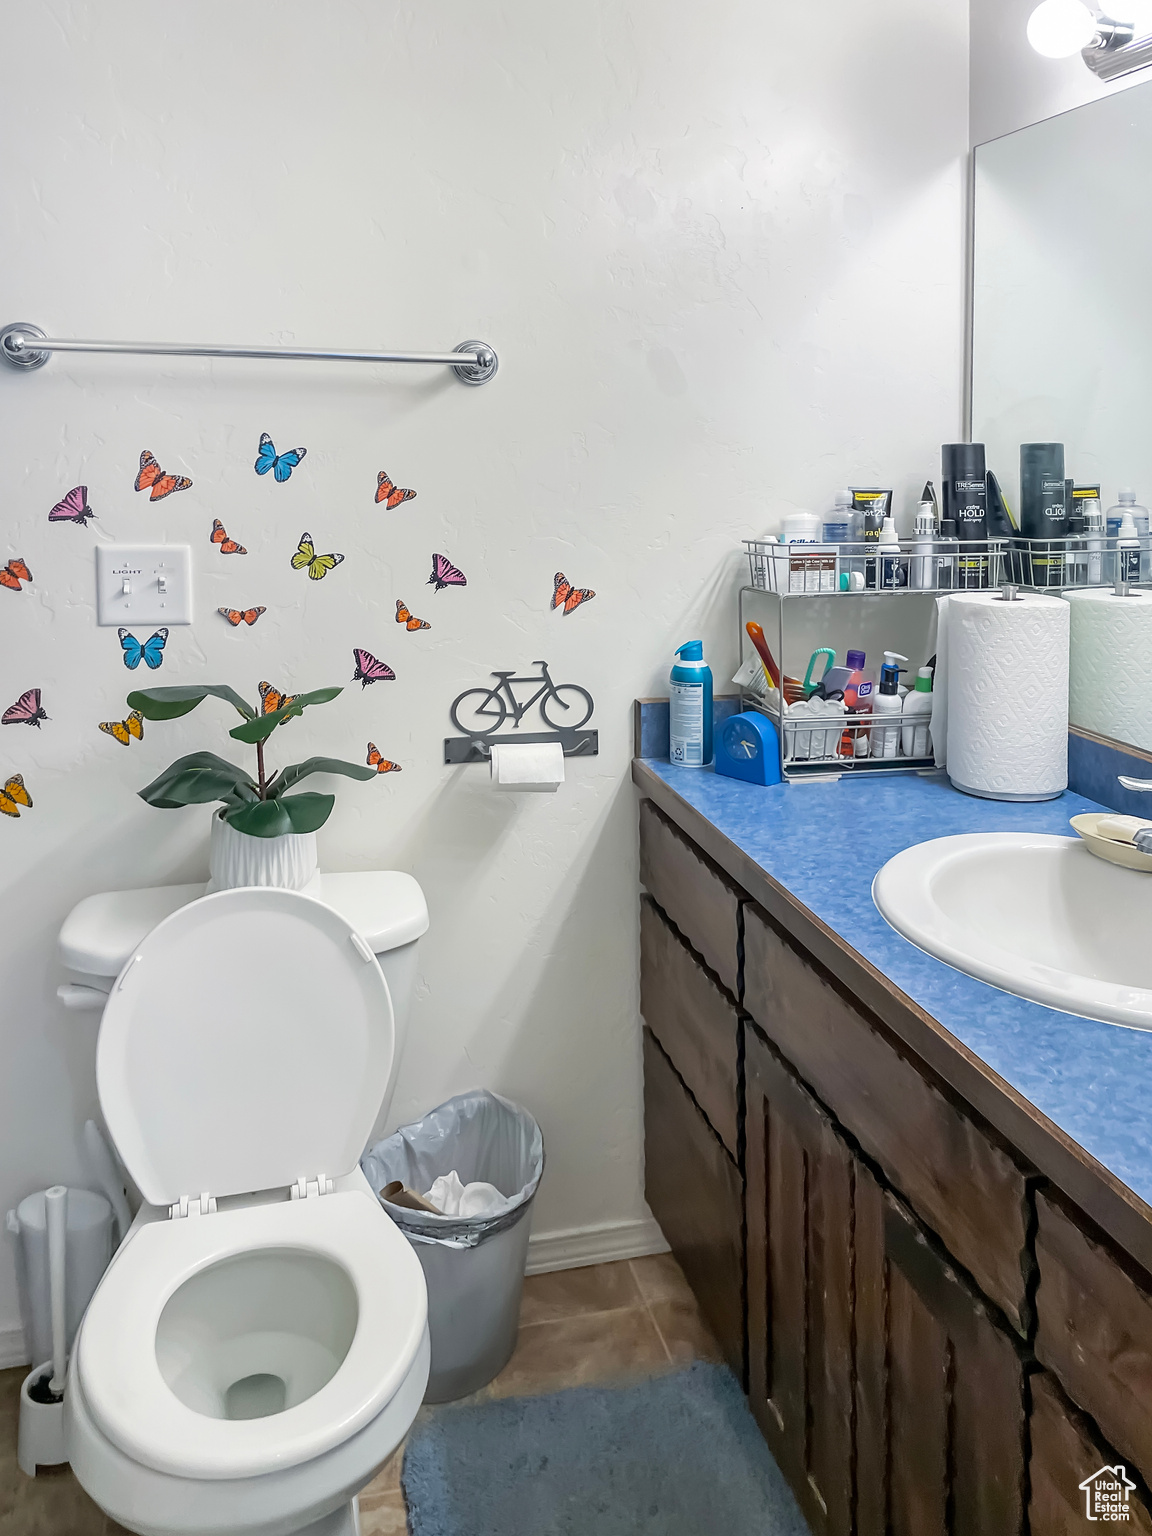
(606, 1323)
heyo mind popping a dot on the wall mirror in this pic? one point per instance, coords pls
(1062, 352)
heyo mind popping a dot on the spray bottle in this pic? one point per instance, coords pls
(690, 708)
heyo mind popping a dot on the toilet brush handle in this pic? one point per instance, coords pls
(56, 1210)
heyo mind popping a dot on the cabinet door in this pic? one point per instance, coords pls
(696, 894)
(697, 1195)
(801, 1370)
(939, 1388)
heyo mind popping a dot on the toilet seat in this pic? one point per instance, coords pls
(134, 1406)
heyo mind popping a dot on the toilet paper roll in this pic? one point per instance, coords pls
(535, 766)
(1008, 695)
(1110, 665)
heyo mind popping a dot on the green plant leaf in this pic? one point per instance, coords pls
(171, 703)
(194, 780)
(261, 727)
(297, 771)
(266, 818)
(307, 812)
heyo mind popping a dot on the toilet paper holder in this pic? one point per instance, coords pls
(478, 749)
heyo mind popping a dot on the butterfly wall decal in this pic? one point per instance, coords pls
(227, 546)
(13, 574)
(74, 508)
(369, 670)
(241, 615)
(153, 479)
(281, 464)
(124, 730)
(445, 574)
(318, 565)
(564, 592)
(13, 795)
(25, 711)
(387, 492)
(151, 651)
(271, 699)
(407, 619)
(381, 764)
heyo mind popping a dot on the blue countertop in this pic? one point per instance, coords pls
(824, 842)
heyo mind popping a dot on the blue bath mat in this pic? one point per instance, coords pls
(678, 1455)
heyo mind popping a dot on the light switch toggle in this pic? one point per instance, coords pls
(139, 584)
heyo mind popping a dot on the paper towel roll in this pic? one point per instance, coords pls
(534, 766)
(1008, 695)
(1111, 664)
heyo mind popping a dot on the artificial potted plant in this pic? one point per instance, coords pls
(262, 835)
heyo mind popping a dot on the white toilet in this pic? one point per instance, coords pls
(258, 1346)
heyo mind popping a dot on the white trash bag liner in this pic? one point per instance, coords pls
(481, 1137)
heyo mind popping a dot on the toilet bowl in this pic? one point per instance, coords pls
(258, 1346)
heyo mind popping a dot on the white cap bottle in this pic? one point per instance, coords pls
(915, 737)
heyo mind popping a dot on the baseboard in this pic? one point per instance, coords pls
(12, 1348)
(581, 1246)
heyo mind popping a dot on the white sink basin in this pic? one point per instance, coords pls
(1033, 914)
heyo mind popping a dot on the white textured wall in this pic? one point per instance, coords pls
(1012, 85)
(722, 278)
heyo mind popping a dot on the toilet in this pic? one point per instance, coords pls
(258, 1346)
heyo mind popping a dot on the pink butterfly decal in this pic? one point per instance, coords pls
(445, 574)
(25, 711)
(369, 670)
(74, 508)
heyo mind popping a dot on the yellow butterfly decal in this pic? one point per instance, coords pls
(318, 565)
(271, 699)
(14, 795)
(124, 730)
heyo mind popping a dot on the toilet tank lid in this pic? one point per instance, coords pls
(387, 906)
(249, 1043)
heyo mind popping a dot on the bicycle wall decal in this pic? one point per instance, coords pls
(480, 712)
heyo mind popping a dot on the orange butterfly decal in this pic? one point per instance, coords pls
(564, 592)
(381, 764)
(13, 574)
(124, 730)
(241, 615)
(13, 795)
(405, 618)
(386, 491)
(153, 479)
(227, 546)
(271, 700)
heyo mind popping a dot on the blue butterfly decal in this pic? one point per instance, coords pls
(151, 652)
(281, 464)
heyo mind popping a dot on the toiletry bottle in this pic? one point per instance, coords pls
(837, 523)
(1126, 502)
(858, 701)
(1128, 550)
(1044, 510)
(915, 738)
(690, 708)
(1094, 540)
(886, 738)
(893, 565)
(965, 485)
(947, 555)
(922, 572)
(875, 505)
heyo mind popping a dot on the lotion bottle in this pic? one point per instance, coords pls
(1127, 550)
(690, 708)
(886, 738)
(915, 740)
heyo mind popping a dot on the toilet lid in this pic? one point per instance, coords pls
(248, 1042)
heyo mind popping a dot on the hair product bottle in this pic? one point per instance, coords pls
(964, 477)
(1044, 510)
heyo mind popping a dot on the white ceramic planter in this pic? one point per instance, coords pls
(235, 859)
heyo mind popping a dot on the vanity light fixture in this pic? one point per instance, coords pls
(1110, 47)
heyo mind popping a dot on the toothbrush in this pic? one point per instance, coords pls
(756, 635)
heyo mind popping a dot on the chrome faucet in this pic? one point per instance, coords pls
(1142, 840)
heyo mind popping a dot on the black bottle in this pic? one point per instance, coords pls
(1044, 510)
(965, 499)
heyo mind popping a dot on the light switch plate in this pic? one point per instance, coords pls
(143, 584)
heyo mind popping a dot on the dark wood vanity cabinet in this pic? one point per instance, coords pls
(933, 1341)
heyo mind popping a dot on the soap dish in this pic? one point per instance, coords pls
(1115, 851)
